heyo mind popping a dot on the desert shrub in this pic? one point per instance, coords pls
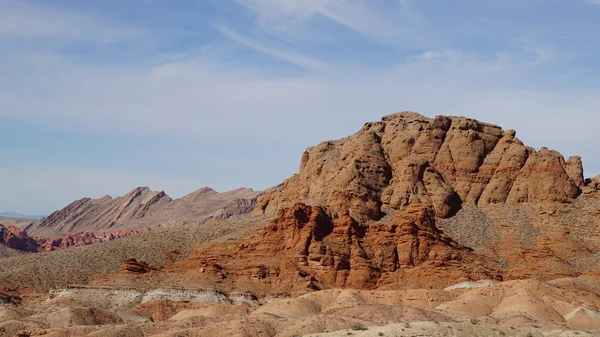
(358, 327)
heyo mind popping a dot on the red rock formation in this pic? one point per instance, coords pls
(18, 239)
(84, 239)
(591, 186)
(306, 248)
(544, 177)
(444, 162)
(135, 266)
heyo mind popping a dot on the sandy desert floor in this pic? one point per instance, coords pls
(563, 307)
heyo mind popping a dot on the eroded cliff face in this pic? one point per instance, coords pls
(305, 248)
(443, 162)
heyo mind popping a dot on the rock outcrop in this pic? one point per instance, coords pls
(135, 266)
(17, 239)
(84, 239)
(591, 186)
(444, 162)
(305, 248)
(144, 208)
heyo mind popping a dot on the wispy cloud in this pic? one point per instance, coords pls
(389, 25)
(352, 61)
(275, 51)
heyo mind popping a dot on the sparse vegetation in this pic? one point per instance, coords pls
(358, 327)
(75, 266)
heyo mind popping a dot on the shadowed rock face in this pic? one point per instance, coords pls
(443, 162)
(145, 208)
(16, 238)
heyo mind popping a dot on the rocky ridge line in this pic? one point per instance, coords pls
(145, 208)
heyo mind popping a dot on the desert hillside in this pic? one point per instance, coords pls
(78, 265)
(6, 251)
(19, 240)
(413, 226)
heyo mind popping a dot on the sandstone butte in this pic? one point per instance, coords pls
(361, 213)
(445, 162)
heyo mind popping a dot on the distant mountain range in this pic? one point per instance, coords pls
(143, 208)
(15, 215)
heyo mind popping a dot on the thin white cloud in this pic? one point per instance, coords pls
(289, 56)
(290, 19)
(528, 56)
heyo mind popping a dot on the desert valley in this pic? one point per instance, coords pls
(412, 226)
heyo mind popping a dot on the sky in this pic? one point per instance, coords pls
(100, 96)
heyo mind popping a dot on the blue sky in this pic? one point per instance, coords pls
(100, 96)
